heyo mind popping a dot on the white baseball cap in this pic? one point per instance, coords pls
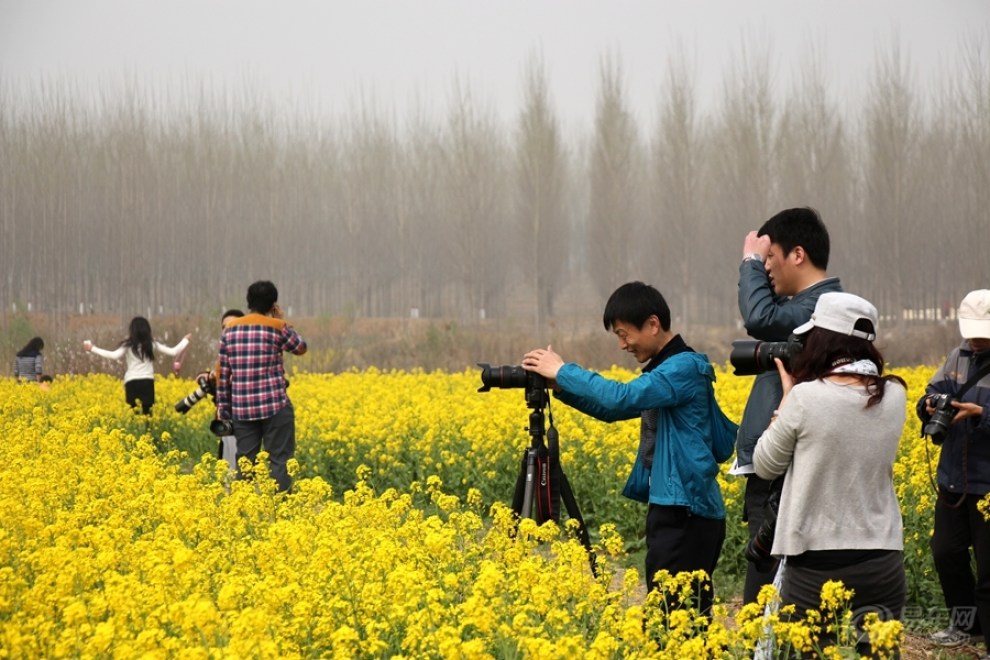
(838, 311)
(974, 315)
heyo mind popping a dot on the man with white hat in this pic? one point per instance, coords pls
(960, 423)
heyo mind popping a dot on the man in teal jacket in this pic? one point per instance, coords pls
(683, 433)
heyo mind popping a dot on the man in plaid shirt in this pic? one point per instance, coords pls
(251, 386)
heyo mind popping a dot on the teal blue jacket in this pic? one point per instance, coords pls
(693, 435)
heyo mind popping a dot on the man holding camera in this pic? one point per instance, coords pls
(683, 433)
(251, 388)
(206, 385)
(782, 274)
(955, 412)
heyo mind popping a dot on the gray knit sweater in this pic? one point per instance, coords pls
(838, 455)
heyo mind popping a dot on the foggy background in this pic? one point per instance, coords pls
(138, 179)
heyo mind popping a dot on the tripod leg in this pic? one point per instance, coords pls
(527, 503)
(572, 510)
(522, 499)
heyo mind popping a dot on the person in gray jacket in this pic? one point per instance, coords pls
(782, 274)
(835, 440)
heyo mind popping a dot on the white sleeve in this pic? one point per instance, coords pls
(111, 355)
(172, 350)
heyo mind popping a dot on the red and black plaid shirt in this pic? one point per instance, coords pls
(251, 383)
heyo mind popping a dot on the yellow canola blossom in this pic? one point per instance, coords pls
(125, 536)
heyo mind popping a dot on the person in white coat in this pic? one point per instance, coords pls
(834, 438)
(139, 352)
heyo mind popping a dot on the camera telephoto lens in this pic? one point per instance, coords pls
(504, 377)
(751, 357)
(187, 403)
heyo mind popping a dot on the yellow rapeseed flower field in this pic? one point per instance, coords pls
(124, 536)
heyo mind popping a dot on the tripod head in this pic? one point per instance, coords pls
(536, 392)
(537, 399)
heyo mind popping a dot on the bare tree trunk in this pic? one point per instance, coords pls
(540, 178)
(612, 221)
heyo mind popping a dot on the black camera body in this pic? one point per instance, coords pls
(751, 357)
(941, 419)
(204, 386)
(758, 548)
(221, 427)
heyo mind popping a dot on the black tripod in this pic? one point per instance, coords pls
(542, 482)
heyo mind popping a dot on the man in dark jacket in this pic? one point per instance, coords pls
(963, 475)
(782, 274)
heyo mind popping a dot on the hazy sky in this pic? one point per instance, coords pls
(331, 53)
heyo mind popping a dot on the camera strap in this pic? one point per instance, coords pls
(977, 377)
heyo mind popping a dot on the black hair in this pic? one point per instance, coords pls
(800, 226)
(139, 338)
(34, 346)
(262, 296)
(635, 303)
(236, 313)
(824, 349)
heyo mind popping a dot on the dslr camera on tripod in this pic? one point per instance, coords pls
(541, 483)
(751, 357)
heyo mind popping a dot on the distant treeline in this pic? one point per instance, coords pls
(132, 201)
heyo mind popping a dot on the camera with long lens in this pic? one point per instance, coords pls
(751, 357)
(514, 376)
(758, 548)
(204, 386)
(507, 377)
(945, 412)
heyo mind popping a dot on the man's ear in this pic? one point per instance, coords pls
(654, 324)
(800, 256)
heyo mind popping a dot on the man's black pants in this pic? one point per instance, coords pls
(677, 540)
(957, 528)
(754, 503)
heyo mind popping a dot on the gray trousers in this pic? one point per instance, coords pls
(228, 451)
(278, 435)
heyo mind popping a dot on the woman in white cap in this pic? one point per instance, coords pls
(963, 430)
(835, 436)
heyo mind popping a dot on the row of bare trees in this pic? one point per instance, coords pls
(131, 202)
